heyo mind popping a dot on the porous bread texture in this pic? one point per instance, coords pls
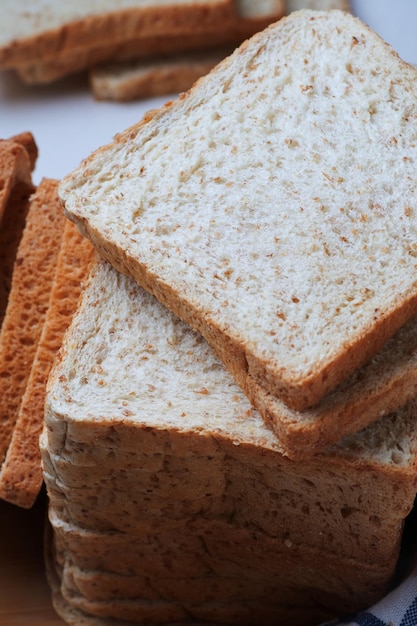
(138, 79)
(148, 417)
(41, 29)
(27, 140)
(11, 229)
(249, 18)
(263, 207)
(17, 160)
(28, 302)
(21, 473)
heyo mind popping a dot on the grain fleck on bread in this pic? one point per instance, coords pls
(262, 206)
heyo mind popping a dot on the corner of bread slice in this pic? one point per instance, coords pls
(16, 165)
(28, 301)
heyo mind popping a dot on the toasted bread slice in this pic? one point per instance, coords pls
(28, 302)
(15, 166)
(254, 206)
(21, 472)
(17, 160)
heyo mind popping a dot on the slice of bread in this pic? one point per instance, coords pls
(28, 302)
(271, 232)
(156, 465)
(250, 17)
(15, 167)
(21, 473)
(134, 80)
(17, 160)
(49, 29)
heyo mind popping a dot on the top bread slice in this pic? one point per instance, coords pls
(40, 30)
(272, 206)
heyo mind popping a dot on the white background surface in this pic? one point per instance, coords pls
(68, 124)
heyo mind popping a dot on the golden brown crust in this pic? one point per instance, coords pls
(115, 27)
(27, 140)
(21, 474)
(11, 229)
(28, 301)
(15, 166)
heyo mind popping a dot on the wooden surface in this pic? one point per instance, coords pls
(24, 593)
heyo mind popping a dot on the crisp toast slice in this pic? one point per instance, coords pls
(21, 472)
(28, 302)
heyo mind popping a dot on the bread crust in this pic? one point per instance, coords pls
(28, 301)
(17, 160)
(113, 27)
(124, 82)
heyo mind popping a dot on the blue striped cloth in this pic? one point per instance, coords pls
(398, 608)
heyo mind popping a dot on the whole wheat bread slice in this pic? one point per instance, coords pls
(21, 473)
(28, 302)
(41, 30)
(250, 17)
(271, 232)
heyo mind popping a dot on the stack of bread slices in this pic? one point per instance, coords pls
(230, 430)
(265, 476)
(44, 43)
(136, 49)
